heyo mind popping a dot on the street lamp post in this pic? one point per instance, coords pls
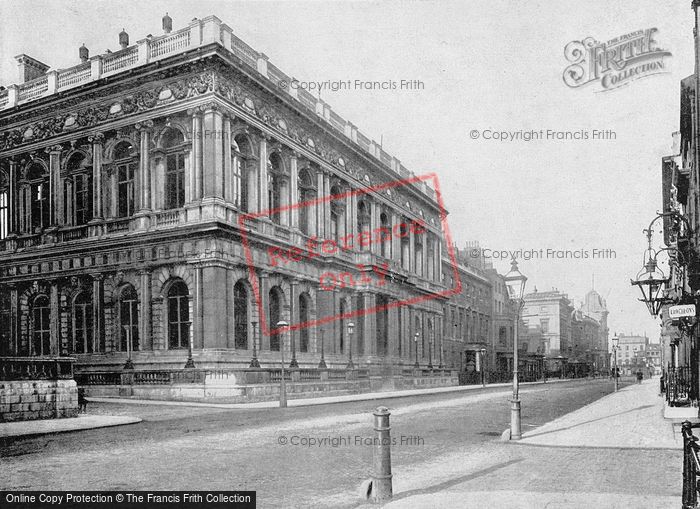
(283, 384)
(190, 362)
(322, 362)
(415, 343)
(515, 282)
(351, 329)
(254, 363)
(483, 377)
(615, 342)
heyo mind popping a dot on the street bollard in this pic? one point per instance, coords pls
(381, 478)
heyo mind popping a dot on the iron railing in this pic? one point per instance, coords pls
(691, 465)
(679, 386)
(36, 368)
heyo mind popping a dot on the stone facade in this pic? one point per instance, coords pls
(125, 199)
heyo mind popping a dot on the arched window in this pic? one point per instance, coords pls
(275, 178)
(364, 222)
(173, 145)
(35, 198)
(4, 205)
(129, 318)
(418, 251)
(240, 315)
(307, 192)
(126, 174)
(82, 323)
(6, 346)
(405, 244)
(337, 213)
(417, 330)
(78, 189)
(242, 155)
(275, 313)
(304, 317)
(178, 315)
(41, 326)
(385, 226)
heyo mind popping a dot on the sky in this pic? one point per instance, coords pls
(484, 65)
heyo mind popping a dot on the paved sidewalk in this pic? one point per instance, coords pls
(44, 426)
(617, 452)
(325, 400)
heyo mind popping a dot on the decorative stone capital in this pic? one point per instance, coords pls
(145, 125)
(212, 106)
(96, 138)
(97, 276)
(195, 111)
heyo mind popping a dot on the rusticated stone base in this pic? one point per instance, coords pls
(39, 399)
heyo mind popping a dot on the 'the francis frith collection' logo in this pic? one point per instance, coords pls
(614, 63)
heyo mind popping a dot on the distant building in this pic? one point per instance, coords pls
(551, 311)
(631, 349)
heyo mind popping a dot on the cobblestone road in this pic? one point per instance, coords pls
(194, 448)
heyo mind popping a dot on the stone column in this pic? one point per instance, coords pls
(320, 205)
(227, 178)
(212, 156)
(393, 330)
(145, 165)
(14, 321)
(145, 320)
(294, 190)
(293, 319)
(264, 289)
(369, 328)
(98, 314)
(395, 239)
(214, 306)
(412, 252)
(12, 202)
(54, 322)
(196, 175)
(198, 305)
(55, 187)
(350, 214)
(327, 204)
(97, 141)
(262, 190)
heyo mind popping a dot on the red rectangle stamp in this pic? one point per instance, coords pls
(369, 252)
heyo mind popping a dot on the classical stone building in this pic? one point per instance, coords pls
(551, 311)
(123, 181)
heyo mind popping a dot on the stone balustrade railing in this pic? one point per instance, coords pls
(209, 30)
(36, 368)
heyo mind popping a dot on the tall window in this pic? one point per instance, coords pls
(386, 235)
(4, 205)
(6, 346)
(337, 214)
(242, 154)
(178, 315)
(126, 173)
(275, 181)
(240, 315)
(129, 318)
(307, 192)
(275, 314)
(78, 190)
(303, 318)
(36, 199)
(173, 144)
(41, 327)
(82, 323)
(364, 222)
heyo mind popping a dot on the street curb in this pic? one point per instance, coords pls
(368, 396)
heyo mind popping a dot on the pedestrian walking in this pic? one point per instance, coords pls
(640, 376)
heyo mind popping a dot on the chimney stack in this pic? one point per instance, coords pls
(123, 39)
(167, 23)
(84, 53)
